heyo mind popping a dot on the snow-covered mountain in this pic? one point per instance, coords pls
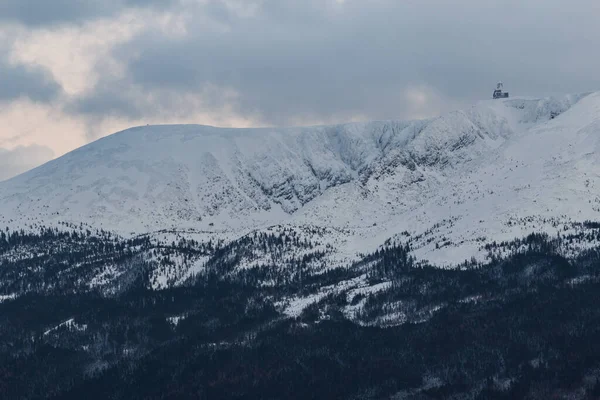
(165, 252)
(493, 172)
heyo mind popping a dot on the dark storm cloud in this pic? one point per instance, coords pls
(314, 59)
(18, 81)
(51, 12)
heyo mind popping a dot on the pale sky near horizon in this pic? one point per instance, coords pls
(72, 71)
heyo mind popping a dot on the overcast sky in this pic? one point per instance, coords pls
(72, 71)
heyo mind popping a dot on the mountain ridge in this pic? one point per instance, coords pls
(373, 179)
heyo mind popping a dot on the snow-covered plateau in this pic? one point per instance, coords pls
(496, 171)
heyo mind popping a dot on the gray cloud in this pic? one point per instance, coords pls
(312, 60)
(51, 12)
(108, 100)
(21, 159)
(26, 81)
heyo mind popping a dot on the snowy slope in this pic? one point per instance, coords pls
(455, 180)
(541, 179)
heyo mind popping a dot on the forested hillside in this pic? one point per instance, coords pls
(523, 325)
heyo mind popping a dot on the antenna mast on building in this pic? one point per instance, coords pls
(498, 93)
